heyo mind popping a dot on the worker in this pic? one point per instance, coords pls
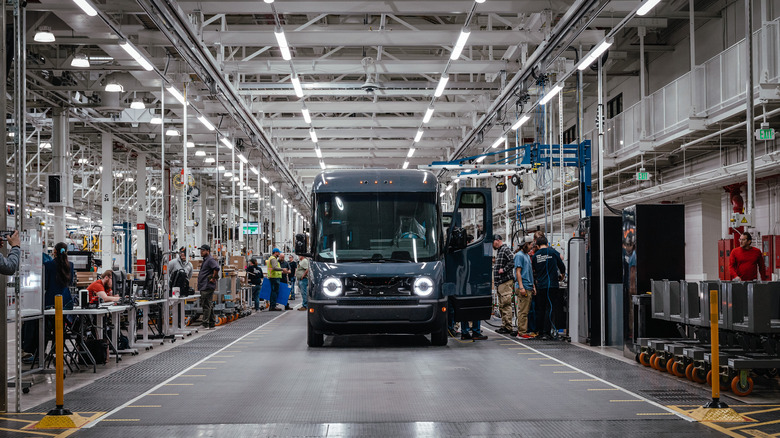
(275, 272)
(9, 265)
(207, 284)
(100, 289)
(180, 273)
(525, 289)
(503, 276)
(746, 259)
(302, 275)
(255, 275)
(548, 270)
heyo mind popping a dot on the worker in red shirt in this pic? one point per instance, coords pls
(101, 288)
(745, 259)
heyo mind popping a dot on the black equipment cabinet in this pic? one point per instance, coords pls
(613, 271)
(653, 249)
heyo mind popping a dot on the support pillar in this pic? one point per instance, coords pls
(107, 200)
(60, 146)
(140, 184)
(702, 216)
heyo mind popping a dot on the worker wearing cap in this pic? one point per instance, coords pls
(9, 265)
(275, 272)
(207, 283)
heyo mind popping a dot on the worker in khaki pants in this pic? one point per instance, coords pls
(524, 287)
(503, 271)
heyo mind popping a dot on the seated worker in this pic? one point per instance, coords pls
(101, 288)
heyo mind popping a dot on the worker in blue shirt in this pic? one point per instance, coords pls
(525, 290)
(548, 270)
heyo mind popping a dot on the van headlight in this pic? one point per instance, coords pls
(332, 287)
(423, 286)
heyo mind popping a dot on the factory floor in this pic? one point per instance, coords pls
(256, 377)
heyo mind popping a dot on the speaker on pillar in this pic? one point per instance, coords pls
(59, 190)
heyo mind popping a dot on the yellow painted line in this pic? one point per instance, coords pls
(179, 384)
(121, 419)
(565, 372)
(145, 406)
(232, 351)
(28, 431)
(583, 380)
(709, 424)
(540, 358)
(529, 353)
(552, 364)
(92, 417)
(14, 419)
(214, 361)
(509, 344)
(764, 423)
(625, 401)
(602, 389)
(518, 348)
(193, 375)
(162, 394)
(759, 412)
(204, 368)
(223, 356)
(655, 413)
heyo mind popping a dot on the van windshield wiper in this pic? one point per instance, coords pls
(383, 260)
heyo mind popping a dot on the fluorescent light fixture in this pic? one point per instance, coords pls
(647, 5)
(548, 97)
(114, 87)
(322, 164)
(406, 164)
(480, 1)
(172, 132)
(481, 159)
(456, 51)
(190, 144)
(268, 1)
(139, 58)
(176, 93)
(221, 168)
(313, 135)
(137, 104)
(254, 170)
(428, 114)
(206, 123)
(45, 145)
(129, 179)
(279, 33)
(228, 174)
(520, 122)
(318, 152)
(273, 188)
(226, 142)
(498, 141)
(86, 6)
(442, 84)
(44, 35)
(296, 82)
(209, 160)
(200, 153)
(449, 187)
(418, 136)
(264, 179)
(306, 115)
(411, 152)
(156, 121)
(242, 158)
(79, 60)
(594, 54)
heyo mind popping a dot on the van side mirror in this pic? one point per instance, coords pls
(300, 245)
(458, 239)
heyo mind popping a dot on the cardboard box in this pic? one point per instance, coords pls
(196, 264)
(237, 261)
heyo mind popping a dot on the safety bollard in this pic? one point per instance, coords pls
(715, 353)
(59, 417)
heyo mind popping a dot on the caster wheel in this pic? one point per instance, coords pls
(689, 372)
(27, 390)
(669, 366)
(699, 376)
(652, 360)
(741, 390)
(678, 369)
(659, 364)
(644, 359)
(173, 340)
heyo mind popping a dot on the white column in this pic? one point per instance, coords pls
(702, 219)
(181, 229)
(107, 200)
(203, 229)
(60, 165)
(241, 206)
(140, 184)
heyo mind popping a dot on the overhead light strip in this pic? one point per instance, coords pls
(139, 58)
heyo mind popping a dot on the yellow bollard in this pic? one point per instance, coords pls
(59, 417)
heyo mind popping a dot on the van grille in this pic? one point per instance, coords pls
(378, 286)
(382, 302)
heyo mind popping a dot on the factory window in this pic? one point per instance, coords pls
(570, 135)
(615, 106)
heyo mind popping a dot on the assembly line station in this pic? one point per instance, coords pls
(135, 128)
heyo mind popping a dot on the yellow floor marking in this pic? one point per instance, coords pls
(179, 384)
(232, 351)
(602, 389)
(625, 401)
(759, 412)
(518, 348)
(656, 413)
(28, 431)
(214, 361)
(709, 424)
(540, 358)
(763, 423)
(92, 417)
(145, 406)
(565, 372)
(162, 394)
(121, 419)
(552, 365)
(20, 421)
(193, 375)
(530, 353)
(204, 368)
(583, 380)
(223, 356)
(509, 344)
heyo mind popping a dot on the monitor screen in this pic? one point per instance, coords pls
(251, 228)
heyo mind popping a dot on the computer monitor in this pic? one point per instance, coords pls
(82, 260)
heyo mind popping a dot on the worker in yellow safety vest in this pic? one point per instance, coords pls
(275, 272)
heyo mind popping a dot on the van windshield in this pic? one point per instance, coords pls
(376, 227)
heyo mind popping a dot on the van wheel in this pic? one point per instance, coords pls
(313, 339)
(439, 338)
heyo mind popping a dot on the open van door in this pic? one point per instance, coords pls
(468, 255)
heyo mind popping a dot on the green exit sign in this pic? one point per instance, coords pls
(642, 176)
(765, 134)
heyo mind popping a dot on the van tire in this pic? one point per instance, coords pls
(439, 338)
(313, 338)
